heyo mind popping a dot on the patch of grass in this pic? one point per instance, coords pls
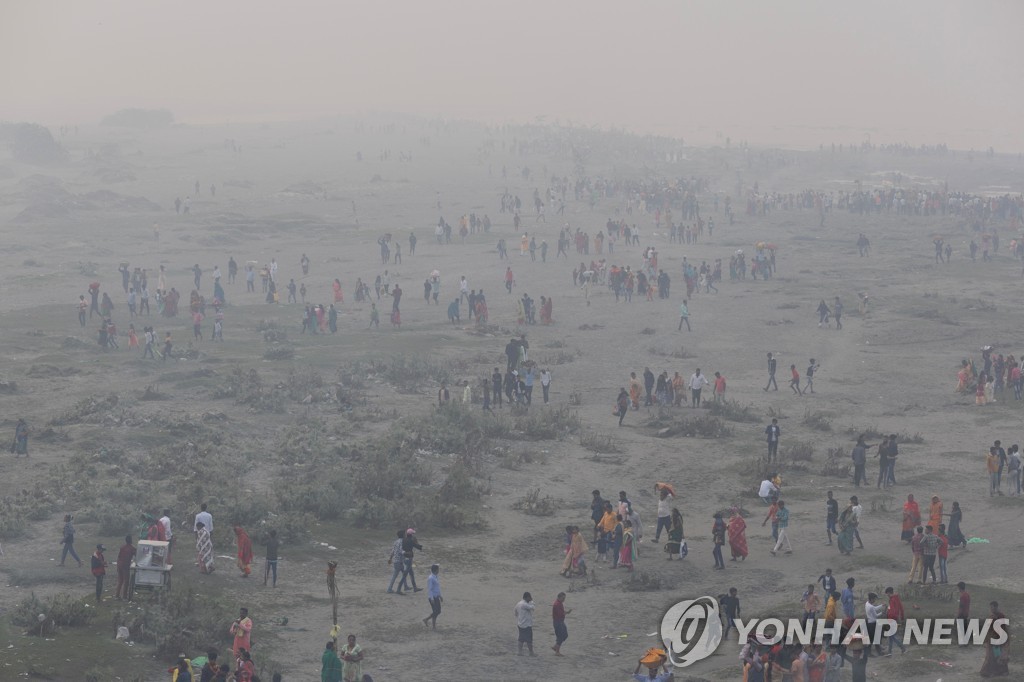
(247, 388)
(679, 353)
(798, 451)
(180, 620)
(775, 413)
(515, 457)
(600, 443)
(817, 420)
(560, 358)
(733, 411)
(411, 374)
(837, 464)
(874, 433)
(670, 424)
(60, 610)
(278, 351)
(885, 503)
(533, 504)
(642, 581)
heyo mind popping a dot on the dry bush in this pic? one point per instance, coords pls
(412, 374)
(642, 581)
(819, 421)
(533, 504)
(181, 620)
(798, 451)
(85, 411)
(669, 424)
(278, 351)
(60, 610)
(600, 443)
(733, 411)
(247, 388)
(837, 464)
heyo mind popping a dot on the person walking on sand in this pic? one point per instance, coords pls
(524, 622)
(558, 614)
(244, 557)
(794, 380)
(684, 316)
(204, 548)
(782, 517)
(434, 596)
(622, 405)
(68, 541)
(396, 561)
(809, 375)
(772, 363)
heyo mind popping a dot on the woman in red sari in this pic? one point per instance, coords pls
(338, 296)
(627, 554)
(737, 535)
(156, 530)
(545, 310)
(911, 519)
(244, 551)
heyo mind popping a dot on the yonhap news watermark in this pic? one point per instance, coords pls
(692, 631)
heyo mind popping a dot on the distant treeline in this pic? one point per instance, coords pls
(139, 118)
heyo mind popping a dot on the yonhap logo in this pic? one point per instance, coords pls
(691, 630)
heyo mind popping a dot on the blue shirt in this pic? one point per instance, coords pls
(847, 601)
(529, 378)
(433, 587)
(782, 517)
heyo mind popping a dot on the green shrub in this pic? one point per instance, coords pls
(60, 610)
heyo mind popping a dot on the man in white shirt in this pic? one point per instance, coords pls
(872, 612)
(165, 521)
(463, 289)
(205, 518)
(767, 490)
(665, 498)
(273, 270)
(524, 621)
(545, 383)
(697, 382)
(857, 510)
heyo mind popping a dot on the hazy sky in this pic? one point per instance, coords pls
(914, 70)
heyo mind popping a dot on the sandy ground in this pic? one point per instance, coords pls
(890, 371)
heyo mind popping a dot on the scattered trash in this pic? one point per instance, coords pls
(651, 634)
(122, 633)
(977, 541)
(612, 653)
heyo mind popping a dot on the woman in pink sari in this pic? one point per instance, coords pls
(320, 318)
(737, 535)
(338, 296)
